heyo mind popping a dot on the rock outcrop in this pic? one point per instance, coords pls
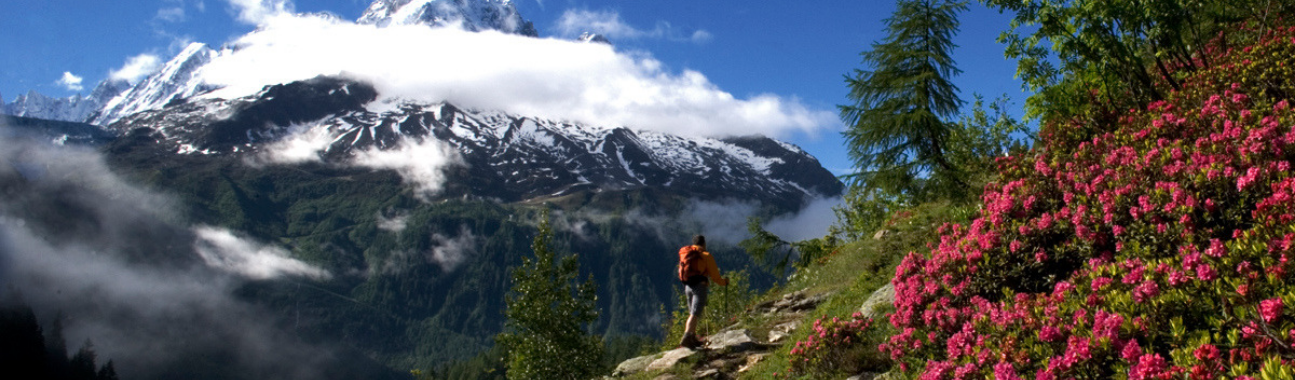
(731, 351)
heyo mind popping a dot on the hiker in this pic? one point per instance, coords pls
(696, 269)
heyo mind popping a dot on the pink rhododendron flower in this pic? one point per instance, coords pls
(1270, 309)
(1005, 371)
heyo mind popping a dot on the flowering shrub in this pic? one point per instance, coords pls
(1159, 249)
(835, 346)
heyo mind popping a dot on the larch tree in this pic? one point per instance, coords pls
(547, 314)
(898, 128)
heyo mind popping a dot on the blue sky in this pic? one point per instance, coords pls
(796, 52)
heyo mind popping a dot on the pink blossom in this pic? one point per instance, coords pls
(1206, 273)
(1270, 309)
(1207, 353)
(1049, 333)
(1100, 282)
(1005, 371)
(1131, 351)
(1149, 366)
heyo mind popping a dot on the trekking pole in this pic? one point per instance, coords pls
(725, 297)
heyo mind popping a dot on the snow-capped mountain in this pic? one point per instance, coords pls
(176, 80)
(179, 79)
(471, 15)
(74, 108)
(509, 157)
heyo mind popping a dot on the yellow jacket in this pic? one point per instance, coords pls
(711, 269)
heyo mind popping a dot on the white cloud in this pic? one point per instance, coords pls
(137, 68)
(395, 223)
(70, 81)
(450, 252)
(609, 24)
(257, 12)
(303, 143)
(171, 14)
(221, 249)
(810, 222)
(420, 163)
(551, 78)
(447, 252)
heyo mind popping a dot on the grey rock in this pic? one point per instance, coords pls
(879, 303)
(751, 361)
(635, 365)
(670, 358)
(782, 331)
(732, 341)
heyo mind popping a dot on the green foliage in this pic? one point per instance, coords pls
(899, 128)
(1080, 57)
(547, 313)
(983, 136)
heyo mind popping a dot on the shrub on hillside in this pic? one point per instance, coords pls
(1159, 248)
(837, 346)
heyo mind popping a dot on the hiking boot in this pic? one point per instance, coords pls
(690, 341)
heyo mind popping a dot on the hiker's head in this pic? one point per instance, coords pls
(699, 241)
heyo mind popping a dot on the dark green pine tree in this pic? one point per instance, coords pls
(899, 125)
(107, 372)
(22, 345)
(547, 314)
(81, 366)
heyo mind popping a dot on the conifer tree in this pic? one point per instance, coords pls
(899, 125)
(81, 366)
(547, 312)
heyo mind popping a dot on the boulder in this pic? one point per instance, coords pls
(670, 358)
(635, 365)
(881, 301)
(732, 341)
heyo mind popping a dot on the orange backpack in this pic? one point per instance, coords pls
(690, 270)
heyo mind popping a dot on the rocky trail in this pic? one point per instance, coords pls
(736, 349)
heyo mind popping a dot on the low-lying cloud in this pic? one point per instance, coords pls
(421, 163)
(812, 221)
(222, 249)
(450, 252)
(544, 77)
(132, 277)
(446, 251)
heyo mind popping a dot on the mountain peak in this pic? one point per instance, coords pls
(176, 80)
(471, 15)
